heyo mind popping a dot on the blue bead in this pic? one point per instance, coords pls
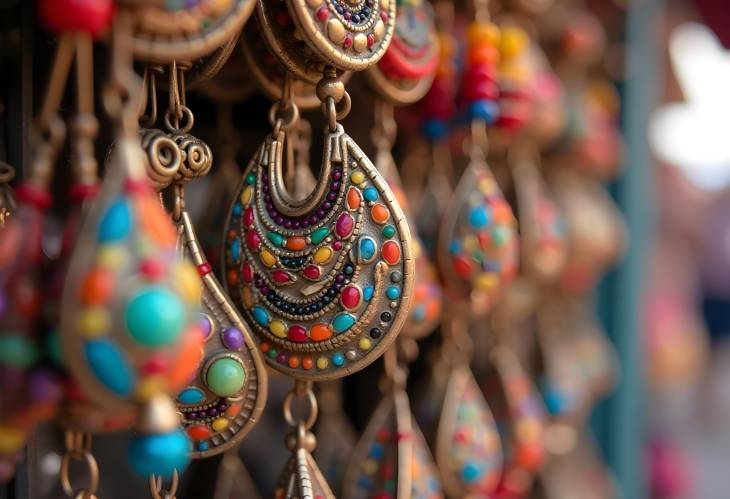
(159, 454)
(261, 316)
(365, 482)
(367, 250)
(191, 395)
(419, 313)
(486, 110)
(478, 217)
(237, 209)
(338, 359)
(155, 317)
(393, 292)
(435, 129)
(367, 293)
(471, 472)
(236, 250)
(110, 366)
(203, 446)
(377, 451)
(342, 322)
(370, 194)
(455, 247)
(116, 223)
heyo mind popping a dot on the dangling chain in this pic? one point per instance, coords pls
(302, 437)
(78, 448)
(159, 492)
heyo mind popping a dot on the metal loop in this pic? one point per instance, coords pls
(91, 466)
(329, 108)
(172, 122)
(156, 487)
(282, 115)
(301, 390)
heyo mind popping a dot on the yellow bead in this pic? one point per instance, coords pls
(364, 344)
(322, 255)
(11, 439)
(487, 281)
(246, 195)
(323, 362)
(111, 257)
(370, 466)
(94, 322)
(528, 430)
(188, 281)
(518, 73)
(357, 178)
(278, 328)
(483, 33)
(513, 43)
(247, 300)
(220, 424)
(267, 257)
(486, 185)
(150, 386)
(471, 244)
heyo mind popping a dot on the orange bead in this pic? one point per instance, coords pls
(391, 252)
(380, 213)
(353, 198)
(233, 410)
(155, 221)
(483, 54)
(265, 346)
(307, 362)
(232, 277)
(97, 288)
(320, 332)
(433, 309)
(198, 432)
(530, 456)
(188, 359)
(296, 243)
(293, 361)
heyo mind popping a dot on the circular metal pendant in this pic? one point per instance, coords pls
(279, 34)
(407, 69)
(163, 32)
(349, 34)
(325, 283)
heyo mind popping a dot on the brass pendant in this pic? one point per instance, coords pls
(468, 449)
(325, 283)
(162, 32)
(217, 413)
(392, 458)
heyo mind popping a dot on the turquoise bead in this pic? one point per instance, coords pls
(155, 317)
(367, 293)
(478, 217)
(236, 250)
(17, 351)
(276, 239)
(110, 366)
(367, 249)
(393, 292)
(342, 322)
(225, 377)
(388, 231)
(319, 235)
(250, 179)
(261, 315)
(116, 223)
(338, 359)
(159, 454)
(203, 446)
(471, 472)
(191, 396)
(370, 194)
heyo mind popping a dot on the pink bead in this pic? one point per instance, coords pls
(344, 226)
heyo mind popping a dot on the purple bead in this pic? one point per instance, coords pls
(232, 338)
(213, 411)
(192, 415)
(203, 414)
(340, 277)
(267, 199)
(281, 358)
(279, 219)
(327, 206)
(222, 407)
(305, 223)
(297, 224)
(347, 15)
(337, 174)
(334, 186)
(205, 325)
(288, 224)
(265, 188)
(331, 196)
(44, 387)
(337, 286)
(321, 212)
(264, 290)
(258, 282)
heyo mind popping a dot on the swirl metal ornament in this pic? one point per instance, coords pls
(163, 32)
(325, 283)
(349, 35)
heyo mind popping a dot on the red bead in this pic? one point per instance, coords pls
(253, 240)
(281, 277)
(350, 297)
(384, 16)
(462, 266)
(204, 269)
(76, 16)
(371, 40)
(344, 226)
(247, 272)
(152, 268)
(348, 42)
(483, 90)
(34, 196)
(391, 252)
(248, 217)
(312, 272)
(323, 14)
(297, 333)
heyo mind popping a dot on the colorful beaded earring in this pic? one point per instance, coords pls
(30, 389)
(128, 316)
(325, 282)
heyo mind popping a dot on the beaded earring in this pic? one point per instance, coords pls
(314, 277)
(392, 457)
(31, 389)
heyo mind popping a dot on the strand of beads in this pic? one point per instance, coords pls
(479, 90)
(438, 103)
(515, 77)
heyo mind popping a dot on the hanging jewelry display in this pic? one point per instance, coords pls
(129, 325)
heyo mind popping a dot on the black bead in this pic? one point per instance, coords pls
(376, 333)
(386, 316)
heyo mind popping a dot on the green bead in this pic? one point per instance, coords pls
(250, 179)
(276, 239)
(17, 351)
(388, 231)
(155, 317)
(319, 235)
(225, 377)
